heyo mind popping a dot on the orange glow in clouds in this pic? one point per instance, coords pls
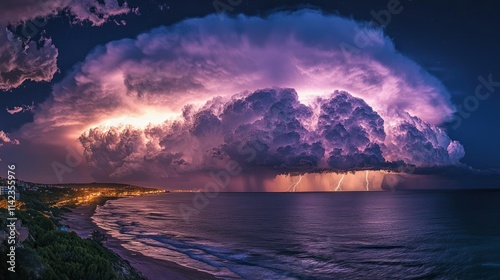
(353, 181)
(137, 120)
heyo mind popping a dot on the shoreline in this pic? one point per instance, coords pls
(80, 221)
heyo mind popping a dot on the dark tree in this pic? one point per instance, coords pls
(98, 237)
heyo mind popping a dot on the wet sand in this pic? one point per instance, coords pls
(79, 221)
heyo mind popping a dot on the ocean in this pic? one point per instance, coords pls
(341, 235)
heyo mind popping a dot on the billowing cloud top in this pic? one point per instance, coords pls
(270, 129)
(339, 97)
(20, 62)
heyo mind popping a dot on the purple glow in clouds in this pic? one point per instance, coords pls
(179, 99)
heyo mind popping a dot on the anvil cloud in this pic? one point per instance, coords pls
(287, 81)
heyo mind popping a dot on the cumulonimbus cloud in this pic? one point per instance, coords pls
(338, 133)
(386, 109)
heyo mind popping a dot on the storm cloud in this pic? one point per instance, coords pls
(269, 129)
(188, 98)
(22, 58)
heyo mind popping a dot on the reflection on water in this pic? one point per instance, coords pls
(368, 235)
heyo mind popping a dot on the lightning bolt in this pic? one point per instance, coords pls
(340, 181)
(367, 182)
(293, 187)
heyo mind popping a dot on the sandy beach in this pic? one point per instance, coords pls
(79, 221)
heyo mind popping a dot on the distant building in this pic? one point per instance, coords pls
(4, 190)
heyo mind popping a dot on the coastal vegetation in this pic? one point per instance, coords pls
(49, 251)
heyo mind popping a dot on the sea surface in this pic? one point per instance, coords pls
(342, 235)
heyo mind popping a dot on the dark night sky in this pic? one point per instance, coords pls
(456, 41)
